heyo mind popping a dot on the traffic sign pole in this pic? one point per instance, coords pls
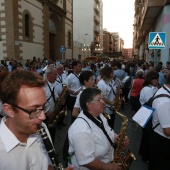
(62, 59)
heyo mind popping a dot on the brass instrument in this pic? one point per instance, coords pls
(120, 156)
(59, 110)
(118, 96)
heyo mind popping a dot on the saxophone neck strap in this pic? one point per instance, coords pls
(52, 94)
(112, 89)
(101, 126)
(60, 79)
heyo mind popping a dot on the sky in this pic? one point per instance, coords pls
(118, 16)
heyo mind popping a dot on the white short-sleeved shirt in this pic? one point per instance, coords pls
(162, 112)
(22, 156)
(73, 83)
(88, 142)
(77, 103)
(48, 94)
(146, 93)
(108, 92)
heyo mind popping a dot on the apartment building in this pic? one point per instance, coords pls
(108, 43)
(151, 16)
(36, 28)
(87, 28)
(113, 45)
(127, 53)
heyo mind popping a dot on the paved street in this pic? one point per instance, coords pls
(133, 133)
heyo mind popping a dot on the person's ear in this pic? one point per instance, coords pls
(88, 104)
(85, 82)
(8, 110)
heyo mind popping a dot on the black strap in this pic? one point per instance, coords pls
(156, 126)
(160, 95)
(112, 89)
(52, 94)
(100, 125)
(76, 75)
(166, 89)
(85, 120)
(60, 80)
(90, 128)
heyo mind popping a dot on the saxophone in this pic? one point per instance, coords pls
(59, 110)
(120, 156)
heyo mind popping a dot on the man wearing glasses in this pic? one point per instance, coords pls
(24, 103)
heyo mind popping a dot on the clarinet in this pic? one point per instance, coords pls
(50, 149)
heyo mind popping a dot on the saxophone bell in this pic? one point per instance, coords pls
(128, 159)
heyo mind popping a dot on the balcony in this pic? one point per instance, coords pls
(96, 29)
(96, 8)
(150, 9)
(96, 19)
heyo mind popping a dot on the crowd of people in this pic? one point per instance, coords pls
(32, 93)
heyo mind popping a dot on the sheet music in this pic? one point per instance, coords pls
(143, 115)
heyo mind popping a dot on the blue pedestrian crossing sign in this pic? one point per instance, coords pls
(157, 40)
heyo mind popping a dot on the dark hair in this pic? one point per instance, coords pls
(84, 76)
(75, 63)
(106, 71)
(13, 82)
(149, 77)
(158, 67)
(118, 64)
(87, 96)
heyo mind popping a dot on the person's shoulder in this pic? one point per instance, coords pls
(70, 75)
(100, 82)
(81, 123)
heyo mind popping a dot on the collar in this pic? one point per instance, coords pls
(9, 139)
(51, 84)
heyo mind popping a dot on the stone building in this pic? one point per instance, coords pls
(36, 28)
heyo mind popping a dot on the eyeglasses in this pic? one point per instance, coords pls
(33, 113)
(99, 100)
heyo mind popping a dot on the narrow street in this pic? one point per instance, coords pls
(133, 131)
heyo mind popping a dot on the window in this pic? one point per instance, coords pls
(27, 25)
(69, 39)
(51, 25)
